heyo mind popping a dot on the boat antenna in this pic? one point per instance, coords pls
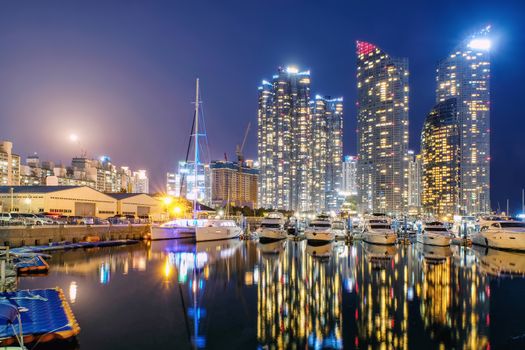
(196, 144)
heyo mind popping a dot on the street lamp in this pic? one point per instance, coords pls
(28, 202)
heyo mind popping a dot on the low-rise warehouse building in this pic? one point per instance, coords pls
(76, 201)
(64, 200)
(138, 204)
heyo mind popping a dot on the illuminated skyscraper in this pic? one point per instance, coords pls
(284, 141)
(327, 152)
(382, 127)
(465, 75)
(349, 183)
(440, 149)
(415, 178)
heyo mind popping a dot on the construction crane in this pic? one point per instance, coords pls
(240, 148)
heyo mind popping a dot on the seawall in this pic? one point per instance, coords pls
(15, 236)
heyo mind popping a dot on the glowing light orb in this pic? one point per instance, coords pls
(480, 44)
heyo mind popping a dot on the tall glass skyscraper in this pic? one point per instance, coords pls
(284, 141)
(440, 149)
(327, 152)
(382, 130)
(465, 75)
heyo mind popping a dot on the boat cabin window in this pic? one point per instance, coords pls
(512, 224)
(271, 225)
(484, 228)
(378, 221)
(380, 227)
(436, 229)
(320, 224)
(495, 225)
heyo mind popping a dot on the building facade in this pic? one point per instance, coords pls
(327, 152)
(441, 155)
(9, 165)
(465, 75)
(77, 201)
(233, 184)
(349, 176)
(415, 182)
(192, 187)
(382, 130)
(100, 174)
(284, 141)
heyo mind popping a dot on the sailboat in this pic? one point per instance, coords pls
(199, 229)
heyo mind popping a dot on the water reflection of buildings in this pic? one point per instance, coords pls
(394, 298)
(454, 302)
(299, 300)
(381, 292)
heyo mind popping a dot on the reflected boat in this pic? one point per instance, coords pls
(320, 251)
(379, 255)
(272, 248)
(500, 263)
(434, 253)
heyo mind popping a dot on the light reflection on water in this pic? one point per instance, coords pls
(243, 294)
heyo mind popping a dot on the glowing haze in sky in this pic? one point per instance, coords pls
(117, 77)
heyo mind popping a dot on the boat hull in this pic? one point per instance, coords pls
(340, 234)
(320, 237)
(500, 240)
(380, 238)
(216, 233)
(433, 239)
(161, 233)
(266, 235)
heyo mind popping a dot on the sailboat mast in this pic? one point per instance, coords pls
(196, 144)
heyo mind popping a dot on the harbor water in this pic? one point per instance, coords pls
(247, 295)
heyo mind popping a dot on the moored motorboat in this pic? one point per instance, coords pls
(500, 233)
(435, 233)
(339, 228)
(319, 231)
(213, 230)
(272, 228)
(175, 229)
(377, 229)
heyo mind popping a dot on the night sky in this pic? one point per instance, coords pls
(120, 74)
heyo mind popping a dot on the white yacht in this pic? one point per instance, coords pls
(377, 229)
(180, 228)
(198, 229)
(339, 229)
(319, 230)
(213, 230)
(435, 233)
(272, 228)
(500, 232)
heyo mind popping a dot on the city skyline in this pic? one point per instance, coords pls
(438, 36)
